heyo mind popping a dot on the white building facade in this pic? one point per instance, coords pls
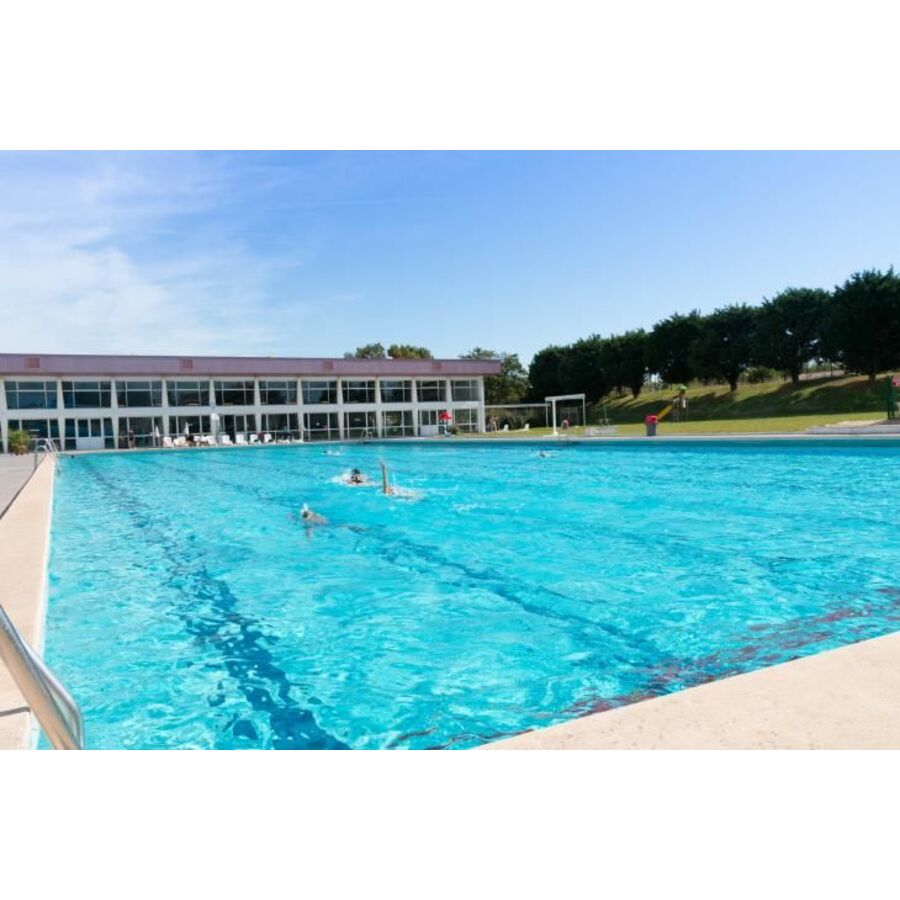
(95, 402)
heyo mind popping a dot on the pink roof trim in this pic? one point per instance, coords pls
(186, 366)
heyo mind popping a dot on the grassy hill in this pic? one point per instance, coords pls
(826, 399)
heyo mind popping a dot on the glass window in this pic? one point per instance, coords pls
(234, 425)
(318, 392)
(185, 425)
(466, 419)
(397, 423)
(281, 425)
(234, 393)
(320, 426)
(396, 391)
(89, 428)
(273, 393)
(140, 431)
(465, 390)
(31, 395)
(37, 428)
(431, 391)
(86, 394)
(139, 393)
(188, 393)
(360, 425)
(359, 391)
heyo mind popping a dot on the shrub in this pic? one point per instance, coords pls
(19, 442)
(760, 374)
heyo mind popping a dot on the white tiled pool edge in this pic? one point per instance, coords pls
(843, 699)
(24, 550)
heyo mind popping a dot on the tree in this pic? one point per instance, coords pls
(544, 372)
(862, 327)
(669, 346)
(622, 358)
(408, 351)
(789, 330)
(369, 351)
(511, 385)
(581, 369)
(725, 345)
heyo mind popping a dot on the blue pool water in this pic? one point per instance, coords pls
(190, 608)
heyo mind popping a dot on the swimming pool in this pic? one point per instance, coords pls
(189, 607)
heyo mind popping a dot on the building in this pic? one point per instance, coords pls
(92, 402)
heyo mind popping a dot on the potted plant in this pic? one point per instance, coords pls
(19, 441)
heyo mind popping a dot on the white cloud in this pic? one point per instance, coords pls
(81, 269)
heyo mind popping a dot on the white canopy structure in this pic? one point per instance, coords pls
(554, 400)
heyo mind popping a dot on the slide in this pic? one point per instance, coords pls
(664, 413)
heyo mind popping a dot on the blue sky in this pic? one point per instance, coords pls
(312, 254)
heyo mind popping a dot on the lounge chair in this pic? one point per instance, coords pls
(167, 442)
(254, 438)
(209, 440)
(267, 438)
(225, 440)
(180, 441)
(240, 438)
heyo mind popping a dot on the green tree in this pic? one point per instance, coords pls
(789, 330)
(863, 324)
(623, 360)
(511, 385)
(368, 351)
(408, 351)
(725, 345)
(581, 369)
(544, 372)
(669, 346)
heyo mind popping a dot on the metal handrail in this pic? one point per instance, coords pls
(57, 712)
(45, 445)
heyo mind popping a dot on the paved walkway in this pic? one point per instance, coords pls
(24, 543)
(14, 472)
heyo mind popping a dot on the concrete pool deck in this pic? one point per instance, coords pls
(843, 699)
(24, 545)
(840, 699)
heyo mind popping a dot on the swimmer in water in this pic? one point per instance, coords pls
(356, 477)
(308, 517)
(310, 520)
(385, 487)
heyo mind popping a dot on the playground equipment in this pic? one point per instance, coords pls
(678, 403)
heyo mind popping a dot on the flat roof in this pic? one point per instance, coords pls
(186, 366)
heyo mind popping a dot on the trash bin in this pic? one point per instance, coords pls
(650, 425)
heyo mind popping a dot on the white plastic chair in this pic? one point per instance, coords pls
(240, 438)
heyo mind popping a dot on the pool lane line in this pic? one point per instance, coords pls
(294, 726)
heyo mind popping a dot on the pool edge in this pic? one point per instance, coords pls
(24, 555)
(841, 699)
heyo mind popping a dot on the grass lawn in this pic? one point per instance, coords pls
(774, 406)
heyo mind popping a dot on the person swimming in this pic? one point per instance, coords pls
(356, 477)
(385, 487)
(308, 517)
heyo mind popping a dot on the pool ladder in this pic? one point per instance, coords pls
(45, 446)
(57, 713)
